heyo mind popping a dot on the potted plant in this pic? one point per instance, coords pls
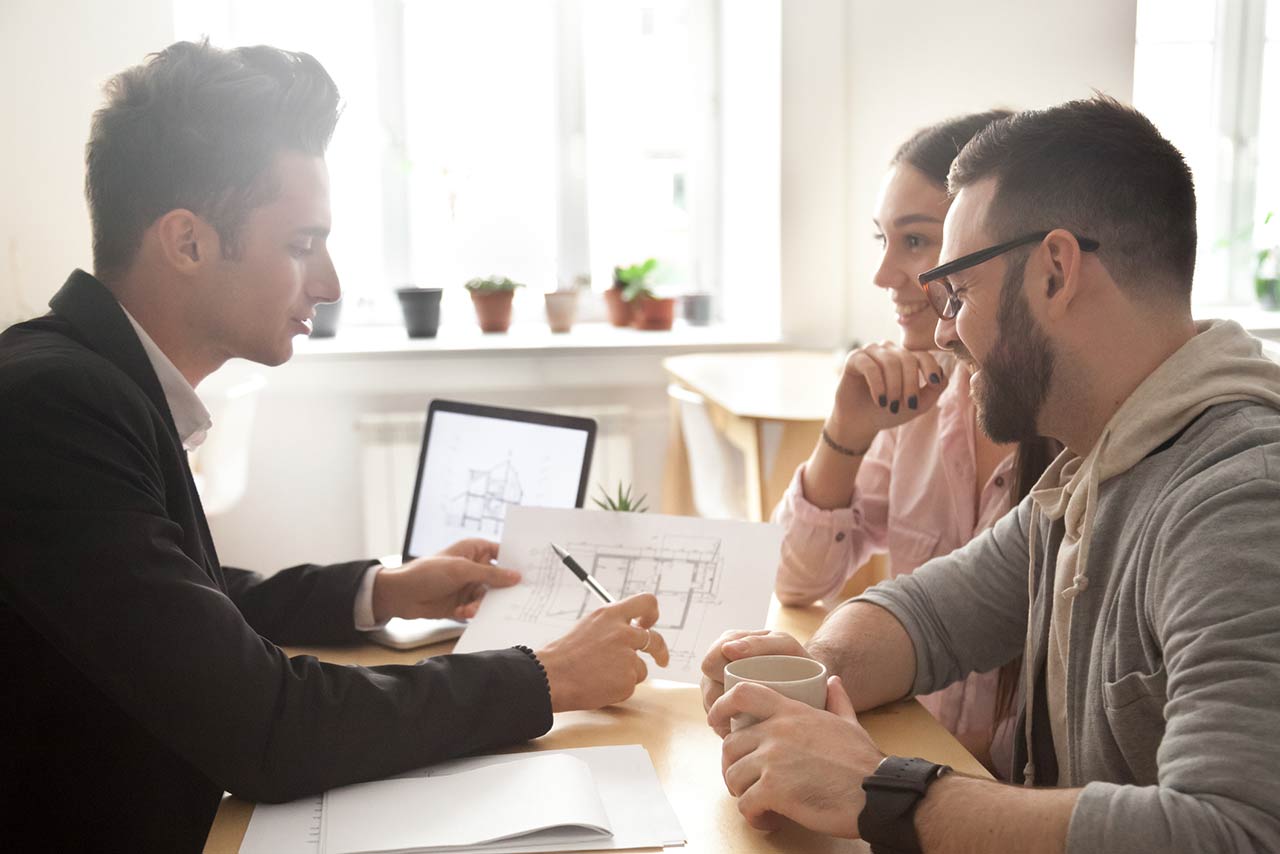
(491, 297)
(1266, 280)
(325, 323)
(622, 503)
(1266, 275)
(697, 309)
(421, 310)
(562, 308)
(648, 310)
(620, 313)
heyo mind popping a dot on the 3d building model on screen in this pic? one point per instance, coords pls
(489, 493)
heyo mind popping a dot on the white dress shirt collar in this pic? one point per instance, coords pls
(189, 414)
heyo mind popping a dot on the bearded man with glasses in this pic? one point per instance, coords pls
(1139, 578)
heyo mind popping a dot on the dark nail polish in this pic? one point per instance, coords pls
(912, 402)
(893, 407)
(884, 401)
(935, 379)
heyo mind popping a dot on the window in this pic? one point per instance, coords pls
(545, 140)
(1207, 72)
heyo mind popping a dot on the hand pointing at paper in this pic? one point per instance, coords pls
(598, 662)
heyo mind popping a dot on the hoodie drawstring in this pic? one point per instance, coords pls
(1029, 770)
(1084, 534)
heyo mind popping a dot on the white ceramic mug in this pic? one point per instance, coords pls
(793, 676)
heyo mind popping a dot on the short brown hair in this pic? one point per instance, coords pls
(1101, 170)
(197, 127)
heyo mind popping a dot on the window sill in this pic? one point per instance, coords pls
(534, 339)
(383, 360)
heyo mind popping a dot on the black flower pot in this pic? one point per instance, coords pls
(421, 308)
(325, 324)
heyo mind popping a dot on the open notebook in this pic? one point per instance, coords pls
(584, 799)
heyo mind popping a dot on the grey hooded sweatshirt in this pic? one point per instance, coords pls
(1172, 653)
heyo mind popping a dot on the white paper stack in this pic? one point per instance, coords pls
(472, 810)
(584, 799)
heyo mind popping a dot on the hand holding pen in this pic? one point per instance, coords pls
(597, 663)
(585, 577)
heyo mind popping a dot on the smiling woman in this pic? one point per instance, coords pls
(902, 467)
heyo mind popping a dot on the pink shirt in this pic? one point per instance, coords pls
(913, 499)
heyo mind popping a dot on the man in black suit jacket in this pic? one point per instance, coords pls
(141, 677)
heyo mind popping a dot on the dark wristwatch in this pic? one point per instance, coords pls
(894, 789)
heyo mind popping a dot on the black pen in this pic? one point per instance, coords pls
(591, 583)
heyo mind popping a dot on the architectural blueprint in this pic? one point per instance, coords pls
(708, 576)
(476, 468)
(483, 505)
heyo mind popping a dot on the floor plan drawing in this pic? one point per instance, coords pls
(683, 572)
(489, 493)
(708, 577)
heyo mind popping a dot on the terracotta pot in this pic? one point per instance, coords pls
(655, 314)
(493, 309)
(562, 308)
(619, 310)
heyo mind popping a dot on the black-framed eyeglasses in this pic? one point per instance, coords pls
(942, 296)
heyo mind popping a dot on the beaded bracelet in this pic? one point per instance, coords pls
(841, 449)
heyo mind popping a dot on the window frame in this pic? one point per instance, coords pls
(374, 302)
(1227, 253)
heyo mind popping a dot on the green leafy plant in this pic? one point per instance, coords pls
(493, 284)
(622, 503)
(1266, 269)
(1266, 275)
(634, 280)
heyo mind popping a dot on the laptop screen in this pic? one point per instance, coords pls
(477, 461)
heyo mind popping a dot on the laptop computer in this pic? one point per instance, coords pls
(475, 462)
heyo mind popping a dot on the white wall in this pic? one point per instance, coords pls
(815, 159)
(54, 57)
(750, 102)
(304, 492)
(912, 64)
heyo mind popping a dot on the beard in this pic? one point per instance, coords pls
(1017, 372)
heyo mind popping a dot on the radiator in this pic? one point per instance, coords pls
(391, 441)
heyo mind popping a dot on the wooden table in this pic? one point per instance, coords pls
(667, 718)
(771, 406)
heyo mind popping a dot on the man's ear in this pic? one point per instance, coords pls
(1056, 281)
(186, 240)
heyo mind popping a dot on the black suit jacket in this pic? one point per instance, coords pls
(139, 677)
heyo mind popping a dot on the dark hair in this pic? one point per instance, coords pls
(932, 149)
(197, 127)
(1100, 169)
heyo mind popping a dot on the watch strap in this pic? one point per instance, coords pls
(893, 791)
